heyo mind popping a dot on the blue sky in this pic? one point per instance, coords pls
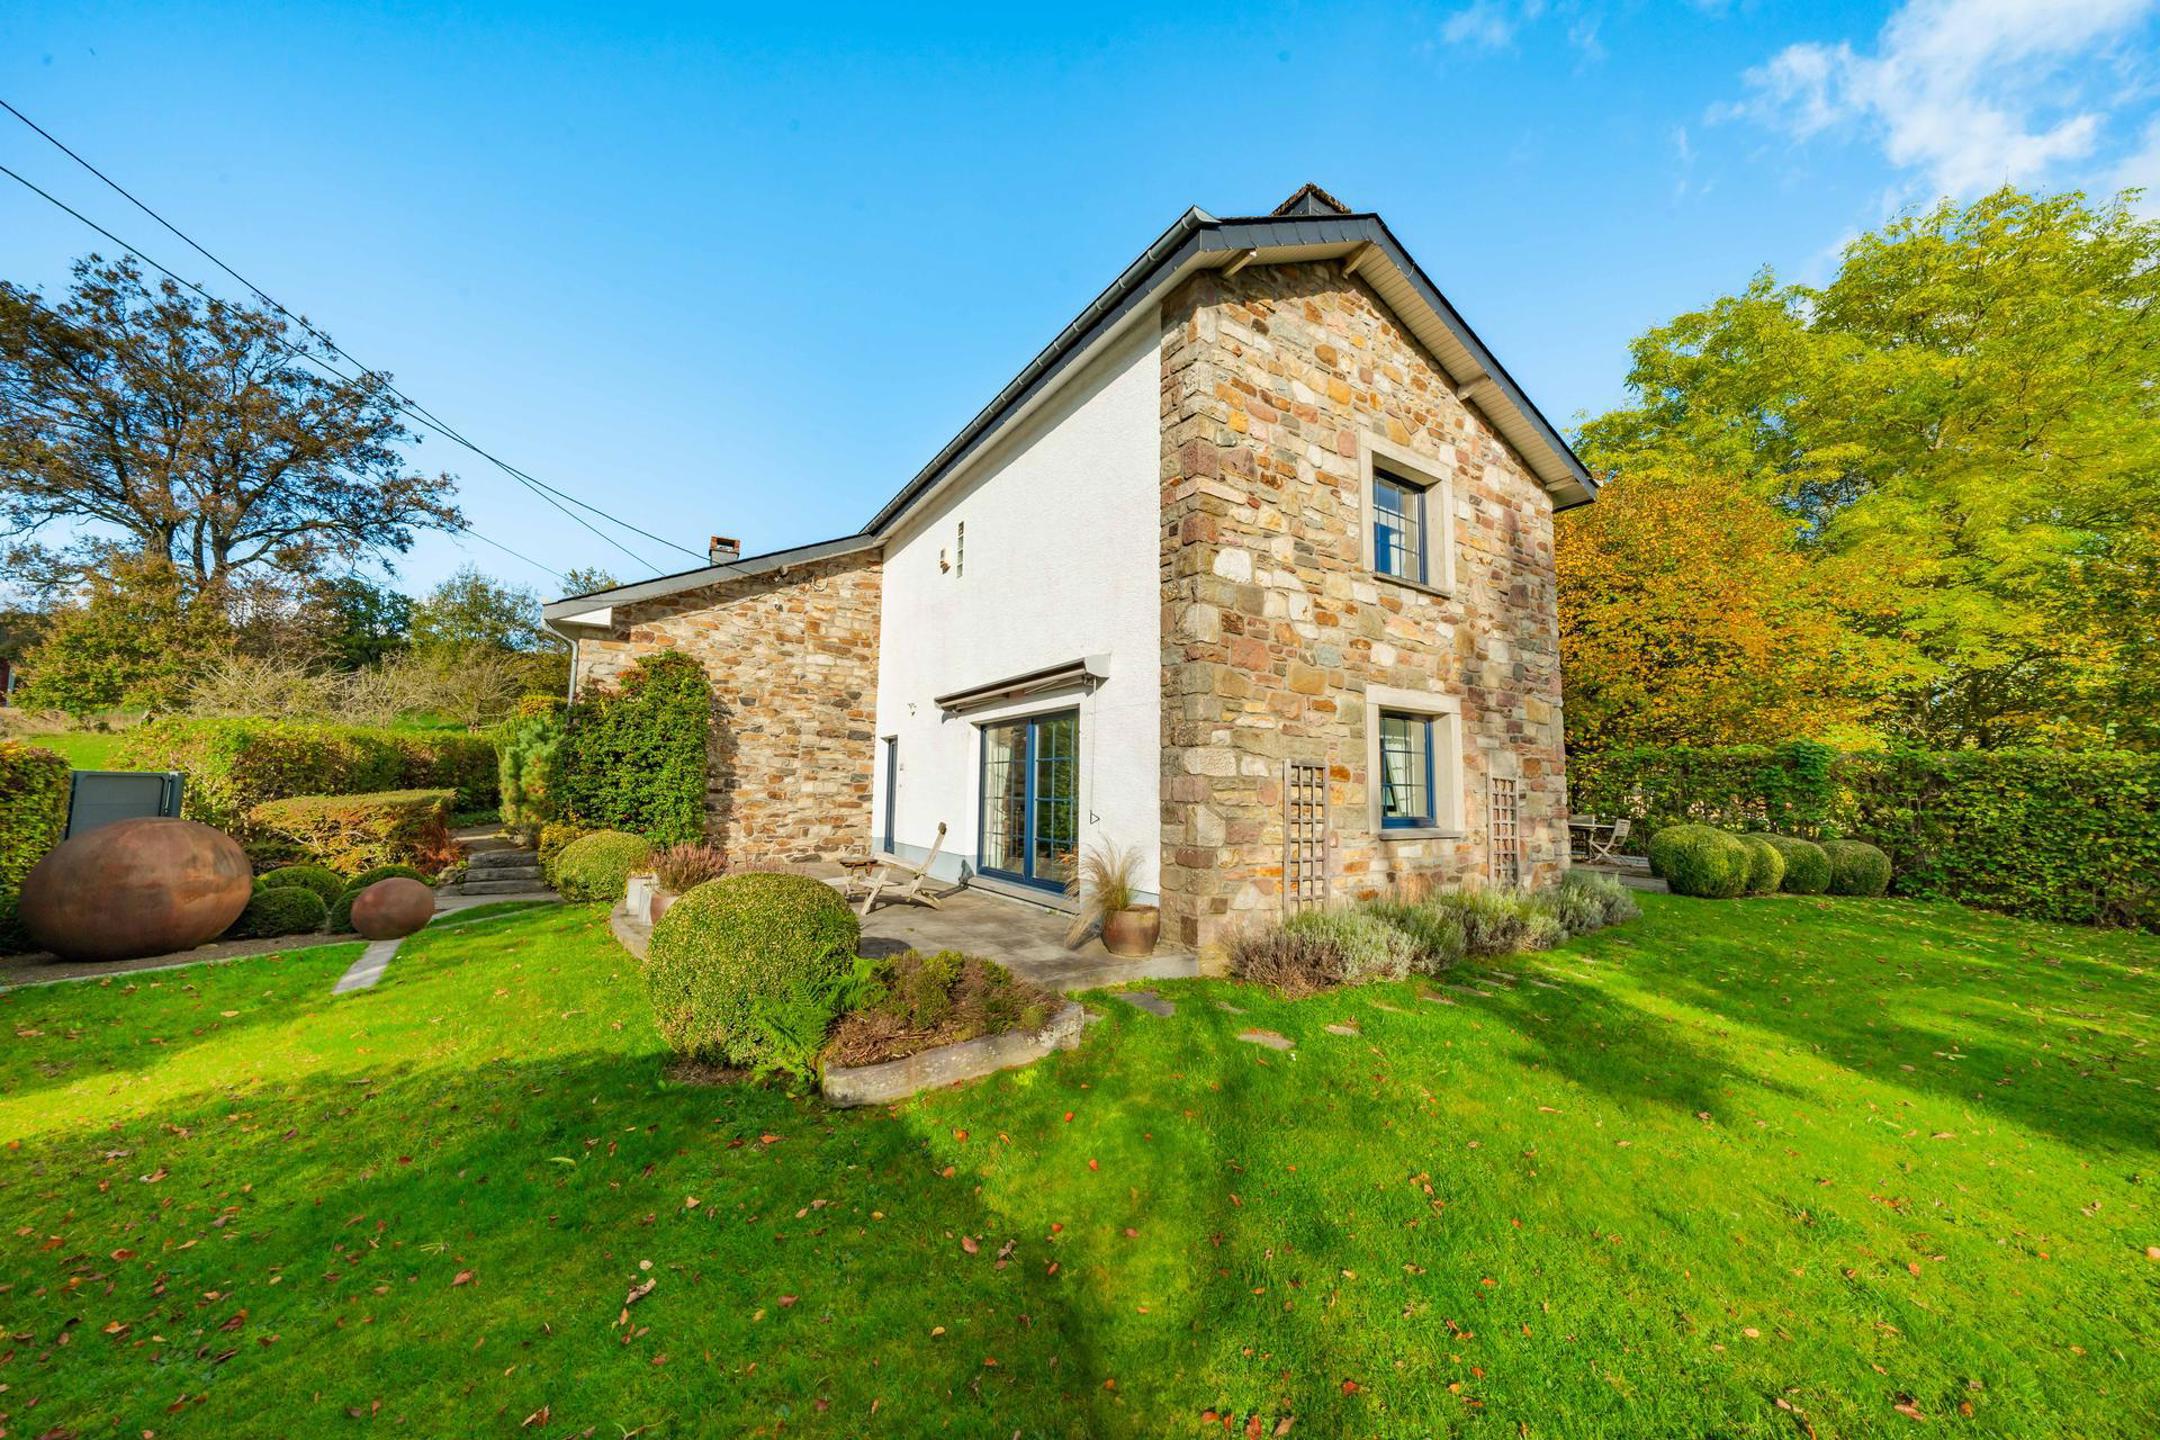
(745, 272)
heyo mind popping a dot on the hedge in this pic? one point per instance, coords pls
(280, 910)
(34, 785)
(633, 755)
(354, 833)
(2052, 834)
(325, 882)
(232, 766)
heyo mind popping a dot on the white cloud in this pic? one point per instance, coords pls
(1970, 93)
(1489, 24)
(2141, 169)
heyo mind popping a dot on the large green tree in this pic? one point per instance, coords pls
(193, 433)
(1965, 425)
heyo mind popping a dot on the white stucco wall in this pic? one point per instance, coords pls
(1060, 563)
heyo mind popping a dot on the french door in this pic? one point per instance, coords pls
(1031, 799)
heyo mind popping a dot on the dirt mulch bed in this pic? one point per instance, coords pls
(934, 1000)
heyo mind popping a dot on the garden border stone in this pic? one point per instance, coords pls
(849, 1085)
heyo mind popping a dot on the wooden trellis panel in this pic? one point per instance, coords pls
(1305, 829)
(1503, 815)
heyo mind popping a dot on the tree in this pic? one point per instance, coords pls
(198, 431)
(139, 639)
(358, 623)
(585, 579)
(1962, 422)
(1687, 616)
(470, 608)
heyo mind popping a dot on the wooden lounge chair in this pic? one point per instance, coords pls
(1606, 848)
(901, 881)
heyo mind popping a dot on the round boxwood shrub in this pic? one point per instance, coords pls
(1766, 865)
(745, 956)
(598, 866)
(325, 882)
(280, 910)
(1807, 868)
(1700, 860)
(341, 907)
(1857, 868)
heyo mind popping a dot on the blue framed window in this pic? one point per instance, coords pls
(1398, 527)
(1407, 799)
(1030, 824)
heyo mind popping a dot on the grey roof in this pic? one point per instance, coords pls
(1311, 225)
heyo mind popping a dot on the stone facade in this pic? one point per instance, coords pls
(793, 657)
(1274, 626)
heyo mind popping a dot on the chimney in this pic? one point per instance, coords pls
(723, 551)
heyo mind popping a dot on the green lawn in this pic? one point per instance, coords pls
(84, 749)
(1834, 1156)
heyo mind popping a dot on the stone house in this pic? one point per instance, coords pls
(1251, 569)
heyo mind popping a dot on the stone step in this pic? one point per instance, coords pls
(502, 859)
(494, 887)
(504, 872)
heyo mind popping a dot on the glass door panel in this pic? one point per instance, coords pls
(1005, 777)
(1031, 799)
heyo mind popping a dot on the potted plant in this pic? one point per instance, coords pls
(1105, 887)
(678, 870)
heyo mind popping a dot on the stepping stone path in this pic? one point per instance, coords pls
(368, 968)
(1391, 1009)
(1268, 1038)
(1147, 1000)
(1227, 1006)
(1436, 999)
(1349, 1030)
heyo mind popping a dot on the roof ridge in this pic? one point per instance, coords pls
(1310, 199)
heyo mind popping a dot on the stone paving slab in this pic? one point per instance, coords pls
(1350, 1031)
(1149, 1001)
(368, 968)
(1268, 1038)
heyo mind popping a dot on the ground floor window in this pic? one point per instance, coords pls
(1031, 799)
(1406, 771)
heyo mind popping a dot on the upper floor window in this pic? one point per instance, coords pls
(1409, 515)
(1398, 527)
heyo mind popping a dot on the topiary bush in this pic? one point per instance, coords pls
(1857, 868)
(741, 969)
(325, 882)
(341, 907)
(280, 910)
(1766, 865)
(1807, 868)
(598, 866)
(1701, 861)
(633, 756)
(555, 837)
(34, 786)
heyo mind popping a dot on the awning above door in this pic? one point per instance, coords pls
(1087, 672)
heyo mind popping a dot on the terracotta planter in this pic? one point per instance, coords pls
(1131, 934)
(661, 899)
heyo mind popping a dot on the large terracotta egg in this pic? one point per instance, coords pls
(148, 886)
(391, 909)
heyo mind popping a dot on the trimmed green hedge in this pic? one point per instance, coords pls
(747, 969)
(1766, 865)
(1807, 867)
(2056, 835)
(633, 756)
(232, 766)
(1701, 861)
(325, 882)
(1857, 868)
(34, 786)
(280, 910)
(599, 866)
(353, 833)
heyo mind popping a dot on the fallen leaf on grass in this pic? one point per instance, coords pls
(464, 1277)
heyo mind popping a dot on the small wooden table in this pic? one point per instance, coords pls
(858, 868)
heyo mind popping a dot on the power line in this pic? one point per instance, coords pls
(317, 360)
(411, 406)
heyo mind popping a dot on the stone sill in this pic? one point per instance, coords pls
(1400, 834)
(1433, 591)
